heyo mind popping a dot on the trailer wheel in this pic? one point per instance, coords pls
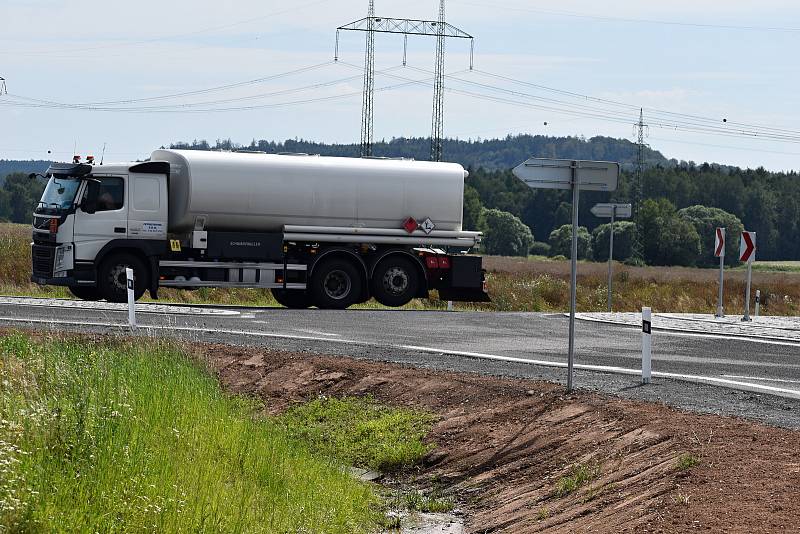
(294, 299)
(85, 292)
(395, 281)
(335, 284)
(112, 281)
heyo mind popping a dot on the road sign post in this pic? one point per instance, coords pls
(613, 211)
(719, 251)
(747, 253)
(575, 175)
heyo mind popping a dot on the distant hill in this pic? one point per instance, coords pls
(490, 154)
(27, 166)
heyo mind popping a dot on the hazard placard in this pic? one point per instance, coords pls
(747, 247)
(719, 243)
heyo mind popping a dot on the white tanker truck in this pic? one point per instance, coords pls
(316, 231)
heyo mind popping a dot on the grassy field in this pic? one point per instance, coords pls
(118, 436)
(515, 284)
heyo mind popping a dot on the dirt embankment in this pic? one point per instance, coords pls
(509, 450)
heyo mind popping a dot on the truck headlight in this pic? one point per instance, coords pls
(63, 259)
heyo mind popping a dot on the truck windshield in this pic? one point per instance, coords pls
(59, 195)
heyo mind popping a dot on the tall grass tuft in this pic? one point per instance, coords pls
(126, 437)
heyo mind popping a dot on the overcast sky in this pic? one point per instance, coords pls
(734, 60)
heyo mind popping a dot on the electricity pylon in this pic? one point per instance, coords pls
(438, 28)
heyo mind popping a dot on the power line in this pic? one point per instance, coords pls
(173, 36)
(603, 18)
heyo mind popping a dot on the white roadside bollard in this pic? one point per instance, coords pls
(131, 299)
(758, 301)
(647, 344)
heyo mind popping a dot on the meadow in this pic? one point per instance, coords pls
(515, 284)
(114, 435)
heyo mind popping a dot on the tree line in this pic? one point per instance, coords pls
(761, 201)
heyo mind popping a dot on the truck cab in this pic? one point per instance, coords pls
(93, 221)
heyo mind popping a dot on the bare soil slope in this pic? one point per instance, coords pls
(506, 448)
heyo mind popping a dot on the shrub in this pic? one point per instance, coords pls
(505, 234)
(540, 248)
(705, 221)
(561, 242)
(624, 233)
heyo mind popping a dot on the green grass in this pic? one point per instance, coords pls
(361, 432)
(687, 461)
(431, 503)
(579, 475)
(133, 436)
(515, 284)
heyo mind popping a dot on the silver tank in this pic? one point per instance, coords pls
(264, 192)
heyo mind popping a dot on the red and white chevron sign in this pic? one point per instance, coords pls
(719, 243)
(747, 247)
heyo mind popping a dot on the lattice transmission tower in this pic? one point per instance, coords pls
(437, 124)
(3, 88)
(432, 28)
(641, 131)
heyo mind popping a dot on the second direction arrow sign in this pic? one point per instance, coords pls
(623, 211)
(747, 247)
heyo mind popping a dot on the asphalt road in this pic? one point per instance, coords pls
(734, 376)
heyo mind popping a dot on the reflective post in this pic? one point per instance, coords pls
(131, 298)
(758, 301)
(746, 317)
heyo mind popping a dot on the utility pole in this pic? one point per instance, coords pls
(432, 28)
(437, 128)
(640, 130)
(368, 103)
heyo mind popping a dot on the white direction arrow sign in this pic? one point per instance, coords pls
(558, 174)
(623, 211)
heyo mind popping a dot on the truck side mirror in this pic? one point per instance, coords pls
(88, 206)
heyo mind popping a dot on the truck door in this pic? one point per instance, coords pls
(147, 209)
(102, 215)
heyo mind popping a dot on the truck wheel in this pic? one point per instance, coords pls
(294, 299)
(85, 292)
(112, 281)
(335, 285)
(395, 281)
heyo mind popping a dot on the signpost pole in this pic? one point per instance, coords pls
(746, 317)
(573, 276)
(611, 257)
(720, 308)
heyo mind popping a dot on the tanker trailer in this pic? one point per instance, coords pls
(317, 231)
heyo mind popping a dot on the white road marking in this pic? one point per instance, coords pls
(141, 307)
(781, 341)
(316, 333)
(764, 379)
(725, 382)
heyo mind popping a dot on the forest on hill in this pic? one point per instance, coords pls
(673, 230)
